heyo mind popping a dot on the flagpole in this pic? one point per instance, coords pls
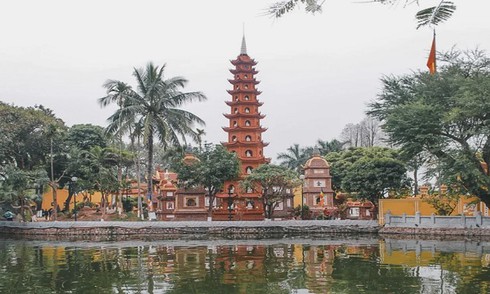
(435, 59)
(431, 61)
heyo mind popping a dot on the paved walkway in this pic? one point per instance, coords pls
(195, 224)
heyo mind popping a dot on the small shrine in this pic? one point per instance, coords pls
(317, 189)
(175, 203)
(244, 139)
(361, 210)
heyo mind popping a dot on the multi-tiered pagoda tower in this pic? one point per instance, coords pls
(244, 135)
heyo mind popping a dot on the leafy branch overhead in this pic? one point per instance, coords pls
(428, 16)
(435, 15)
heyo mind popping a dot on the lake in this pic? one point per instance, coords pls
(334, 264)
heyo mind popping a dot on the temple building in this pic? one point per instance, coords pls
(317, 191)
(245, 139)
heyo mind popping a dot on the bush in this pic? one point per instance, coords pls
(129, 203)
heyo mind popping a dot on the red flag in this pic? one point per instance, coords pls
(431, 62)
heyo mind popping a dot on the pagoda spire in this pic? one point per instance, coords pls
(243, 49)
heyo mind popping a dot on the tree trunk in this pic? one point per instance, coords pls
(21, 202)
(211, 201)
(103, 204)
(53, 184)
(54, 188)
(150, 168)
(138, 172)
(415, 182)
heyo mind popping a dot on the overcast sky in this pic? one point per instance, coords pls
(317, 72)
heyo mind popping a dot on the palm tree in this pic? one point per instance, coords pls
(155, 104)
(116, 92)
(326, 147)
(101, 163)
(294, 157)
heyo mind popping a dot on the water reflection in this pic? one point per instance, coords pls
(362, 265)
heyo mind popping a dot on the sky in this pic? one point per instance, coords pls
(317, 72)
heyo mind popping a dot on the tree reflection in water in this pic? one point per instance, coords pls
(261, 266)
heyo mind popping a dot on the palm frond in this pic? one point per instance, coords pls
(435, 15)
(278, 9)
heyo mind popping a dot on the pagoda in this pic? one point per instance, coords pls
(245, 139)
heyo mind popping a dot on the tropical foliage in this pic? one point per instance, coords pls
(274, 182)
(445, 115)
(214, 166)
(295, 156)
(430, 16)
(154, 105)
(368, 173)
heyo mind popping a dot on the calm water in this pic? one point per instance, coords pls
(334, 265)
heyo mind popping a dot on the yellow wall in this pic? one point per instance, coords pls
(297, 196)
(410, 205)
(62, 195)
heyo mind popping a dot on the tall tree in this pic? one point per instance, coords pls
(156, 105)
(17, 186)
(274, 182)
(86, 136)
(23, 140)
(446, 115)
(368, 173)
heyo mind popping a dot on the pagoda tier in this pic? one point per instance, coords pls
(249, 102)
(245, 143)
(240, 129)
(253, 81)
(245, 91)
(239, 70)
(249, 115)
(243, 59)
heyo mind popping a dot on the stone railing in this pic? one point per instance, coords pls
(435, 224)
(436, 221)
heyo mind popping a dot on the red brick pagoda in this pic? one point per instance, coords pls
(245, 139)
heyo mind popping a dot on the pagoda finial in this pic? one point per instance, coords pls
(243, 50)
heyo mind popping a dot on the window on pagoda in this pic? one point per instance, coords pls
(248, 153)
(170, 205)
(248, 170)
(235, 123)
(246, 86)
(190, 202)
(249, 190)
(247, 110)
(233, 138)
(248, 138)
(237, 87)
(247, 98)
(246, 76)
(247, 123)
(236, 98)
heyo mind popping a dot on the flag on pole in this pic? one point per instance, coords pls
(431, 62)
